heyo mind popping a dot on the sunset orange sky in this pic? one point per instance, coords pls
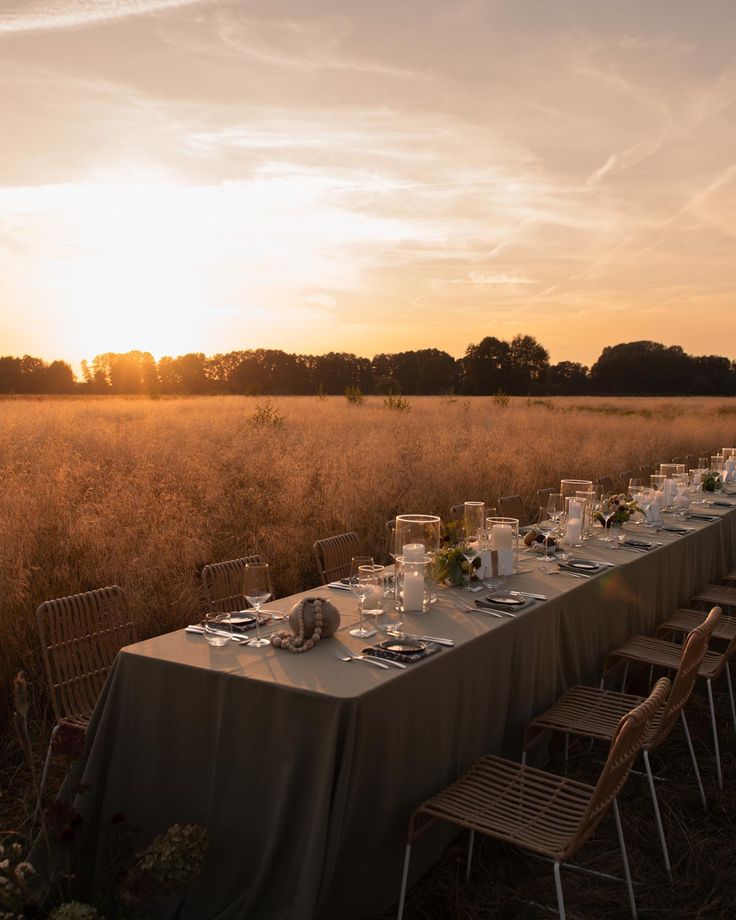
(366, 176)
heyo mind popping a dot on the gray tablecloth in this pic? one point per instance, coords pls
(305, 769)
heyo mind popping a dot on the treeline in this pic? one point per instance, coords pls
(517, 367)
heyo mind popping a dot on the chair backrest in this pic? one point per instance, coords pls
(334, 554)
(625, 745)
(512, 506)
(457, 512)
(80, 637)
(222, 583)
(693, 651)
(605, 483)
(623, 480)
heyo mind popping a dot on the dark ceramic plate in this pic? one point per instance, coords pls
(506, 600)
(403, 646)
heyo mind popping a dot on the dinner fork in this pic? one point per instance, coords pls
(375, 661)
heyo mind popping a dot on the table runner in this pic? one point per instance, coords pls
(305, 769)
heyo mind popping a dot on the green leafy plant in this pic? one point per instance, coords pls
(266, 415)
(354, 396)
(397, 403)
(711, 482)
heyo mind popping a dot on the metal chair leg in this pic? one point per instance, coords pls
(626, 677)
(558, 887)
(470, 856)
(657, 814)
(730, 693)
(715, 734)
(567, 748)
(625, 858)
(694, 759)
(404, 877)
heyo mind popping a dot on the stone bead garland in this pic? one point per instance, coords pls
(297, 643)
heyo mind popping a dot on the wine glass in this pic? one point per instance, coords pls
(257, 590)
(470, 548)
(555, 507)
(363, 581)
(606, 509)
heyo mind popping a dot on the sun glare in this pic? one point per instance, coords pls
(144, 262)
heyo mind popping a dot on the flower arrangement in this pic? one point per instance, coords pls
(135, 881)
(451, 566)
(711, 482)
(625, 508)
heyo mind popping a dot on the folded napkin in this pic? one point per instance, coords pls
(375, 651)
(681, 530)
(697, 516)
(486, 603)
(342, 585)
(720, 504)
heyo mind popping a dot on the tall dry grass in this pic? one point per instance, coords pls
(143, 493)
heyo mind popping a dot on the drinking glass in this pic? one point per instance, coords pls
(217, 629)
(556, 507)
(363, 583)
(474, 518)
(470, 548)
(635, 485)
(703, 463)
(606, 509)
(257, 590)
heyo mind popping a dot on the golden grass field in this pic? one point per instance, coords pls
(143, 493)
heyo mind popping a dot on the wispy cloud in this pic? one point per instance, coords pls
(42, 15)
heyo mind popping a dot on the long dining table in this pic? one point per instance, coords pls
(305, 769)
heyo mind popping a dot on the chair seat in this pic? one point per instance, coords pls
(723, 595)
(520, 805)
(662, 654)
(684, 620)
(593, 713)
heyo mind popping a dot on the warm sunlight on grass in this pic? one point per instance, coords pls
(144, 493)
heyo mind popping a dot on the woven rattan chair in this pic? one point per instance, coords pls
(683, 620)
(222, 584)
(658, 653)
(550, 815)
(334, 554)
(512, 506)
(80, 637)
(605, 484)
(592, 712)
(623, 480)
(723, 595)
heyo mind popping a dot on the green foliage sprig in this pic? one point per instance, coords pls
(354, 396)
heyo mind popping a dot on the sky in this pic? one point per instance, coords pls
(211, 175)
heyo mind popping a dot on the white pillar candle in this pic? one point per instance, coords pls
(374, 599)
(502, 536)
(414, 552)
(574, 509)
(573, 529)
(670, 491)
(413, 590)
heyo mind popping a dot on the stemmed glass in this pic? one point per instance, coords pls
(363, 580)
(606, 509)
(470, 547)
(257, 590)
(555, 510)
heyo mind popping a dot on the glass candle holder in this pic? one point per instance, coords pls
(413, 583)
(671, 469)
(574, 528)
(504, 540)
(588, 498)
(419, 528)
(568, 487)
(474, 518)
